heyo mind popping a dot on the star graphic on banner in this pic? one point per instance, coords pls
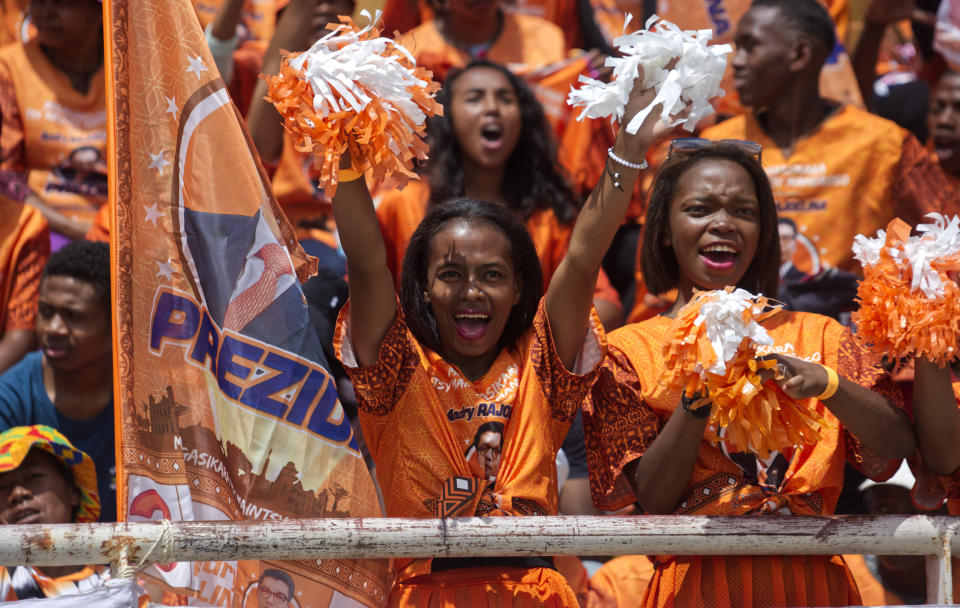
(153, 214)
(171, 105)
(157, 161)
(166, 270)
(197, 67)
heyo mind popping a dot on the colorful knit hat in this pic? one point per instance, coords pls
(15, 444)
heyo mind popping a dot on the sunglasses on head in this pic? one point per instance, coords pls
(688, 145)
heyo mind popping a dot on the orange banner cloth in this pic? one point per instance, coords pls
(851, 176)
(629, 405)
(226, 408)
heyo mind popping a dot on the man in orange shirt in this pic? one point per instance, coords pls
(836, 170)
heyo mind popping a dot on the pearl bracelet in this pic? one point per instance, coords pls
(626, 163)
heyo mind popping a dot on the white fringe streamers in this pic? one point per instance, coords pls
(937, 241)
(694, 80)
(727, 326)
(356, 90)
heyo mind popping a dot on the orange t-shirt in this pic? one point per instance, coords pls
(420, 417)
(54, 134)
(400, 212)
(629, 405)
(619, 583)
(24, 250)
(525, 44)
(852, 175)
(872, 591)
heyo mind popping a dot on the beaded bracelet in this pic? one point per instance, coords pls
(625, 163)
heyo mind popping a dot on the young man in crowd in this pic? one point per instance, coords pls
(836, 170)
(68, 384)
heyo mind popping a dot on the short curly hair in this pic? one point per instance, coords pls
(86, 261)
(807, 16)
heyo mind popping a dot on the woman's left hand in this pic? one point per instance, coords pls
(797, 378)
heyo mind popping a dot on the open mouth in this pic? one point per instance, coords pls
(945, 147)
(55, 351)
(25, 516)
(492, 136)
(471, 325)
(719, 257)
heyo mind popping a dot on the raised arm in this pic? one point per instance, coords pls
(570, 293)
(865, 413)
(292, 34)
(373, 301)
(936, 417)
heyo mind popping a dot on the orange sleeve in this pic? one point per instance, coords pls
(619, 427)
(920, 186)
(100, 229)
(33, 255)
(860, 366)
(379, 386)
(11, 124)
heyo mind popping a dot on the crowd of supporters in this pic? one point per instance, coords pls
(839, 117)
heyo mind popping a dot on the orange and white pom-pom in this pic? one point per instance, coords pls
(909, 304)
(353, 90)
(713, 352)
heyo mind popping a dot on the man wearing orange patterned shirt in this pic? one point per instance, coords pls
(836, 170)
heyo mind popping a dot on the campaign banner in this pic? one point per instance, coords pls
(225, 405)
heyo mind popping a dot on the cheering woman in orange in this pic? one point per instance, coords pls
(472, 341)
(712, 224)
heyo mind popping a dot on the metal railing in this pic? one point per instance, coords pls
(135, 545)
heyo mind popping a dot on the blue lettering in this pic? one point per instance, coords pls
(718, 14)
(205, 348)
(175, 318)
(230, 348)
(260, 395)
(305, 397)
(320, 423)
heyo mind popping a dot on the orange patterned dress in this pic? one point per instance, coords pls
(446, 446)
(629, 405)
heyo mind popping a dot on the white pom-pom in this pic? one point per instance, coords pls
(693, 80)
(936, 241)
(867, 250)
(723, 318)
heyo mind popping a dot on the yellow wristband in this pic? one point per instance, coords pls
(348, 175)
(833, 382)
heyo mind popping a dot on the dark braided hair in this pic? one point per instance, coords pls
(533, 178)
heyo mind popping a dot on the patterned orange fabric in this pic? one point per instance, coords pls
(525, 44)
(872, 591)
(53, 133)
(400, 212)
(629, 405)
(619, 583)
(24, 249)
(420, 417)
(851, 176)
(483, 587)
